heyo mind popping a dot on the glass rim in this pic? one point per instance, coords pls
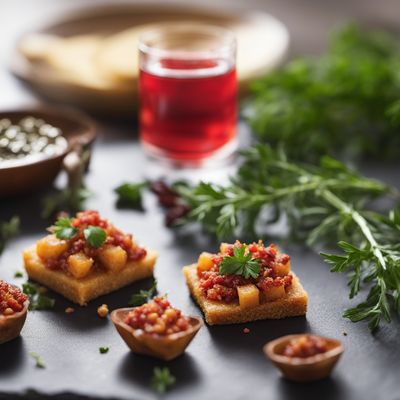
(225, 36)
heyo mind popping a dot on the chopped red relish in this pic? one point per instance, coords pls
(157, 317)
(11, 299)
(305, 346)
(224, 287)
(78, 243)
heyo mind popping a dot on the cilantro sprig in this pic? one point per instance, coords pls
(162, 379)
(130, 194)
(137, 299)
(63, 228)
(37, 300)
(241, 263)
(95, 236)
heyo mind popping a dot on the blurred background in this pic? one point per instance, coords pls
(308, 21)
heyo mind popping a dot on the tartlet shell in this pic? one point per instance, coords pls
(11, 325)
(163, 347)
(306, 369)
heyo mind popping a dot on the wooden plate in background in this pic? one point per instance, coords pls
(262, 44)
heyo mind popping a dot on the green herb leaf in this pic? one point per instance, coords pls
(143, 296)
(39, 360)
(130, 194)
(37, 300)
(63, 228)
(162, 379)
(95, 236)
(8, 230)
(240, 264)
(103, 350)
(18, 274)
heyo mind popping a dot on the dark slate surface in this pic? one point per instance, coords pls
(222, 362)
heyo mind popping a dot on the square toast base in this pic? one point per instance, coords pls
(96, 284)
(217, 313)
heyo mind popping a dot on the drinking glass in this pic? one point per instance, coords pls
(188, 93)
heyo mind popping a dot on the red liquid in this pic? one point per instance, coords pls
(188, 117)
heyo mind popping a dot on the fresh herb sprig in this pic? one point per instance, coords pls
(162, 379)
(95, 236)
(137, 299)
(103, 350)
(240, 264)
(63, 228)
(321, 204)
(37, 300)
(345, 102)
(8, 230)
(130, 194)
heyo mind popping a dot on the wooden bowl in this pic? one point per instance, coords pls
(11, 325)
(305, 369)
(78, 130)
(163, 347)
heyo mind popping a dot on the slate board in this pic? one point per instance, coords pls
(222, 362)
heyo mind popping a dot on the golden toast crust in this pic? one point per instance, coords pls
(217, 313)
(92, 286)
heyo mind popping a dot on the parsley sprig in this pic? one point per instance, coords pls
(8, 230)
(162, 379)
(63, 228)
(321, 204)
(241, 263)
(130, 194)
(37, 300)
(95, 236)
(137, 299)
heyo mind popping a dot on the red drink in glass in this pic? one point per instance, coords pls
(188, 103)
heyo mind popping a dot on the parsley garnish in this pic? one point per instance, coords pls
(162, 379)
(240, 264)
(63, 228)
(37, 301)
(39, 360)
(8, 230)
(130, 194)
(95, 236)
(103, 350)
(18, 274)
(143, 296)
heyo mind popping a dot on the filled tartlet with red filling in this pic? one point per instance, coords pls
(245, 282)
(156, 328)
(86, 256)
(13, 310)
(304, 358)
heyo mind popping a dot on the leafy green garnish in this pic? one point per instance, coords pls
(8, 230)
(63, 228)
(321, 204)
(130, 194)
(143, 296)
(18, 274)
(95, 236)
(39, 360)
(344, 103)
(37, 300)
(103, 350)
(240, 264)
(162, 379)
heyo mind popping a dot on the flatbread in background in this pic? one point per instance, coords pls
(118, 56)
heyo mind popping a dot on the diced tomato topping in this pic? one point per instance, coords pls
(11, 299)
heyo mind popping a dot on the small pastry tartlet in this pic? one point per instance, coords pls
(156, 328)
(257, 285)
(85, 257)
(13, 309)
(304, 358)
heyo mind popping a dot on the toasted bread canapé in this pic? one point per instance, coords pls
(85, 257)
(243, 283)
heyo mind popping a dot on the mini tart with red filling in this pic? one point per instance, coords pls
(272, 292)
(86, 256)
(13, 310)
(156, 328)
